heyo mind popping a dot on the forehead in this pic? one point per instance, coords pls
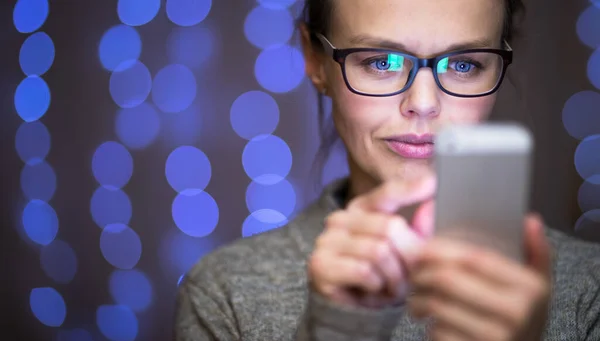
(423, 26)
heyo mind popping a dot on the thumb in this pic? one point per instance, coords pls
(537, 249)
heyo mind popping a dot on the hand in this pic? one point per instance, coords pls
(357, 258)
(473, 294)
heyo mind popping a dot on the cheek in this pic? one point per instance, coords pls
(469, 110)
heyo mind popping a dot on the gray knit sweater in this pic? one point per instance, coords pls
(256, 289)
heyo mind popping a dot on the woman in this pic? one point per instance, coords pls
(340, 270)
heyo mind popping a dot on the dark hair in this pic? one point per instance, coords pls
(317, 18)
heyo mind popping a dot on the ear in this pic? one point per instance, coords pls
(314, 61)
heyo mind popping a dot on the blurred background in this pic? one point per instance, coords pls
(138, 135)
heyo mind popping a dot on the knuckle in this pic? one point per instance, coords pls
(335, 219)
(379, 252)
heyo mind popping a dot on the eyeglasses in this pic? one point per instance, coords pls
(382, 72)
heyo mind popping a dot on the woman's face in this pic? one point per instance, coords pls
(371, 127)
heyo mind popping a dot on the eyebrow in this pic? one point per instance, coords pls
(369, 41)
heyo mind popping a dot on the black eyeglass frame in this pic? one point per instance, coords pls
(339, 56)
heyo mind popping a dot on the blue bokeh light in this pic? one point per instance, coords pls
(265, 27)
(59, 261)
(37, 54)
(179, 252)
(280, 197)
(131, 288)
(588, 26)
(190, 46)
(38, 181)
(254, 113)
(265, 156)
(593, 72)
(112, 164)
(48, 306)
(589, 221)
(40, 222)
(262, 221)
(30, 15)
(32, 142)
(121, 246)
(119, 44)
(188, 170)
(336, 166)
(174, 88)
(183, 128)
(74, 335)
(138, 127)
(137, 12)
(279, 69)
(589, 193)
(580, 114)
(188, 12)
(587, 157)
(110, 206)
(276, 4)
(32, 98)
(117, 322)
(130, 84)
(196, 214)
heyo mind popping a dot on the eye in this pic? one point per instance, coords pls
(391, 62)
(463, 66)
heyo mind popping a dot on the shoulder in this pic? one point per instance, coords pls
(577, 262)
(276, 251)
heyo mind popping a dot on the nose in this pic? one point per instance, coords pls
(422, 98)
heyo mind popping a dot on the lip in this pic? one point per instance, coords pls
(412, 146)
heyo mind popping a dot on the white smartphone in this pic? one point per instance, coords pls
(484, 185)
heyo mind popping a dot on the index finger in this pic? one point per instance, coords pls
(393, 195)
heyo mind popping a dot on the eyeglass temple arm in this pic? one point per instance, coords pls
(327, 46)
(507, 46)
